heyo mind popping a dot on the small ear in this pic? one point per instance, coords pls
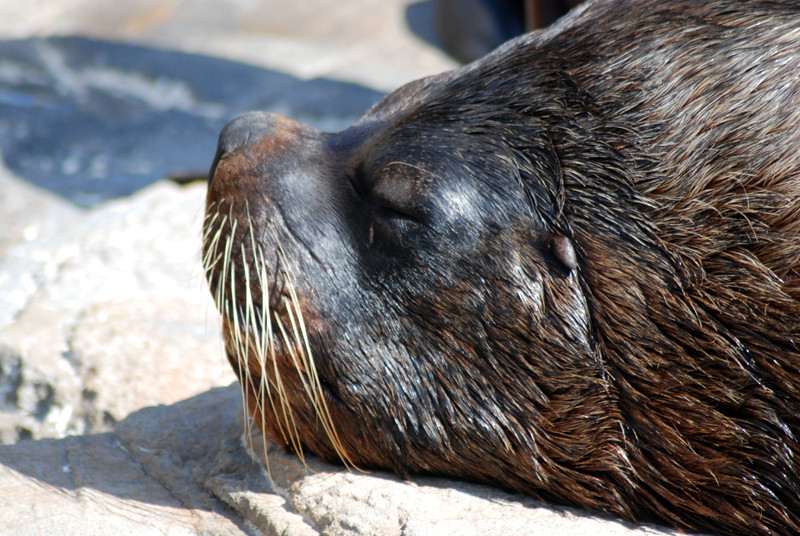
(562, 249)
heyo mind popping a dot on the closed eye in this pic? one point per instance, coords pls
(391, 196)
(391, 209)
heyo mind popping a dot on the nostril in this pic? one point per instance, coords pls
(245, 129)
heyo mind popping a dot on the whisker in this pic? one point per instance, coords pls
(233, 267)
(312, 387)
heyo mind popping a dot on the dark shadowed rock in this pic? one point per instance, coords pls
(93, 120)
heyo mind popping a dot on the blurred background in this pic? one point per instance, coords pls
(98, 98)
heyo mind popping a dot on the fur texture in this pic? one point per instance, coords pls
(570, 269)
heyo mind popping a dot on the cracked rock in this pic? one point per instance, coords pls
(187, 469)
(117, 317)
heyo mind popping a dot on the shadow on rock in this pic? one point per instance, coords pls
(93, 120)
(160, 455)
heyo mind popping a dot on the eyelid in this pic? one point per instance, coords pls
(399, 194)
(392, 189)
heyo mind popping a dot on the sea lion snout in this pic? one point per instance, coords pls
(247, 128)
(264, 135)
(287, 167)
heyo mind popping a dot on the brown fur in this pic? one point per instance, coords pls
(571, 269)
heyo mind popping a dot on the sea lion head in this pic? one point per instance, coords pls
(411, 259)
(571, 269)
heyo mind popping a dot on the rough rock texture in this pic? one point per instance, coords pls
(104, 313)
(185, 469)
(100, 484)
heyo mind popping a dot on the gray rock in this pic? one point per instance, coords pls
(92, 120)
(105, 316)
(158, 349)
(186, 469)
(29, 212)
(96, 485)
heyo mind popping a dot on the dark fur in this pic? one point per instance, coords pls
(571, 269)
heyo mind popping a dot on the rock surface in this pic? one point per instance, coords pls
(105, 313)
(111, 407)
(92, 120)
(185, 469)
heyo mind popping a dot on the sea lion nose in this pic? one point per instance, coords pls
(246, 129)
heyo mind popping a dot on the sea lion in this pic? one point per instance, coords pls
(570, 269)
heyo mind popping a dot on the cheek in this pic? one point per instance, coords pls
(569, 310)
(529, 287)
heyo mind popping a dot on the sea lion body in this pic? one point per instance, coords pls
(570, 269)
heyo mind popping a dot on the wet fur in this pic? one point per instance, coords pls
(571, 269)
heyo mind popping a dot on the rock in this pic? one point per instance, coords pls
(158, 349)
(186, 469)
(94, 120)
(113, 316)
(41, 391)
(29, 212)
(95, 485)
